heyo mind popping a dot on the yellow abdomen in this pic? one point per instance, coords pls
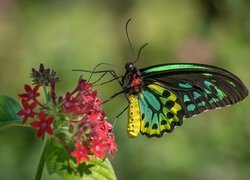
(134, 116)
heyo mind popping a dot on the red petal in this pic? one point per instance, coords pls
(78, 145)
(41, 115)
(23, 96)
(35, 124)
(25, 119)
(68, 96)
(81, 83)
(25, 104)
(87, 86)
(74, 154)
(36, 87)
(37, 94)
(33, 105)
(20, 113)
(40, 132)
(94, 116)
(49, 130)
(50, 120)
(27, 88)
(86, 158)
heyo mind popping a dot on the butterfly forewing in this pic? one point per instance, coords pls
(200, 87)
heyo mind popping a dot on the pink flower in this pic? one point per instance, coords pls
(99, 147)
(27, 112)
(80, 153)
(82, 86)
(78, 116)
(30, 93)
(69, 103)
(43, 124)
(92, 129)
(95, 116)
(112, 146)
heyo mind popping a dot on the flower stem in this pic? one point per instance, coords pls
(45, 94)
(40, 167)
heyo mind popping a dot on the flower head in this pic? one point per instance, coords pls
(69, 103)
(99, 147)
(27, 112)
(92, 129)
(80, 153)
(30, 93)
(44, 76)
(112, 146)
(82, 86)
(43, 124)
(76, 120)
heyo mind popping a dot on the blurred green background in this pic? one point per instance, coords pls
(66, 35)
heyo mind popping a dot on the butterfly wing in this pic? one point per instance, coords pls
(161, 110)
(174, 91)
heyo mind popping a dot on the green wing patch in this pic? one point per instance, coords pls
(160, 110)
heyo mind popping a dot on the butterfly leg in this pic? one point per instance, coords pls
(115, 77)
(116, 118)
(111, 97)
(106, 82)
(100, 78)
(104, 72)
(112, 72)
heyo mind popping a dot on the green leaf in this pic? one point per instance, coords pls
(56, 156)
(102, 170)
(60, 162)
(8, 109)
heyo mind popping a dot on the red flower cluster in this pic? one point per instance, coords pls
(79, 113)
(92, 135)
(29, 103)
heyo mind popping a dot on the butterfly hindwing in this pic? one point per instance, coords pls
(160, 110)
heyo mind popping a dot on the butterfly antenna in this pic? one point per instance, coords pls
(130, 44)
(139, 53)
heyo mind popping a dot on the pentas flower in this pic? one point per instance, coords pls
(92, 129)
(80, 153)
(76, 120)
(27, 111)
(43, 124)
(112, 146)
(82, 86)
(31, 94)
(99, 147)
(69, 103)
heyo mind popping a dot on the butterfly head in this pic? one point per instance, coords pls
(131, 81)
(130, 68)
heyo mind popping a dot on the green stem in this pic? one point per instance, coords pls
(46, 94)
(40, 167)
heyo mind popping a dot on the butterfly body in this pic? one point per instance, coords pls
(161, 96)
(134, 116)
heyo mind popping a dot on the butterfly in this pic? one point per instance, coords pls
(161, 96)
